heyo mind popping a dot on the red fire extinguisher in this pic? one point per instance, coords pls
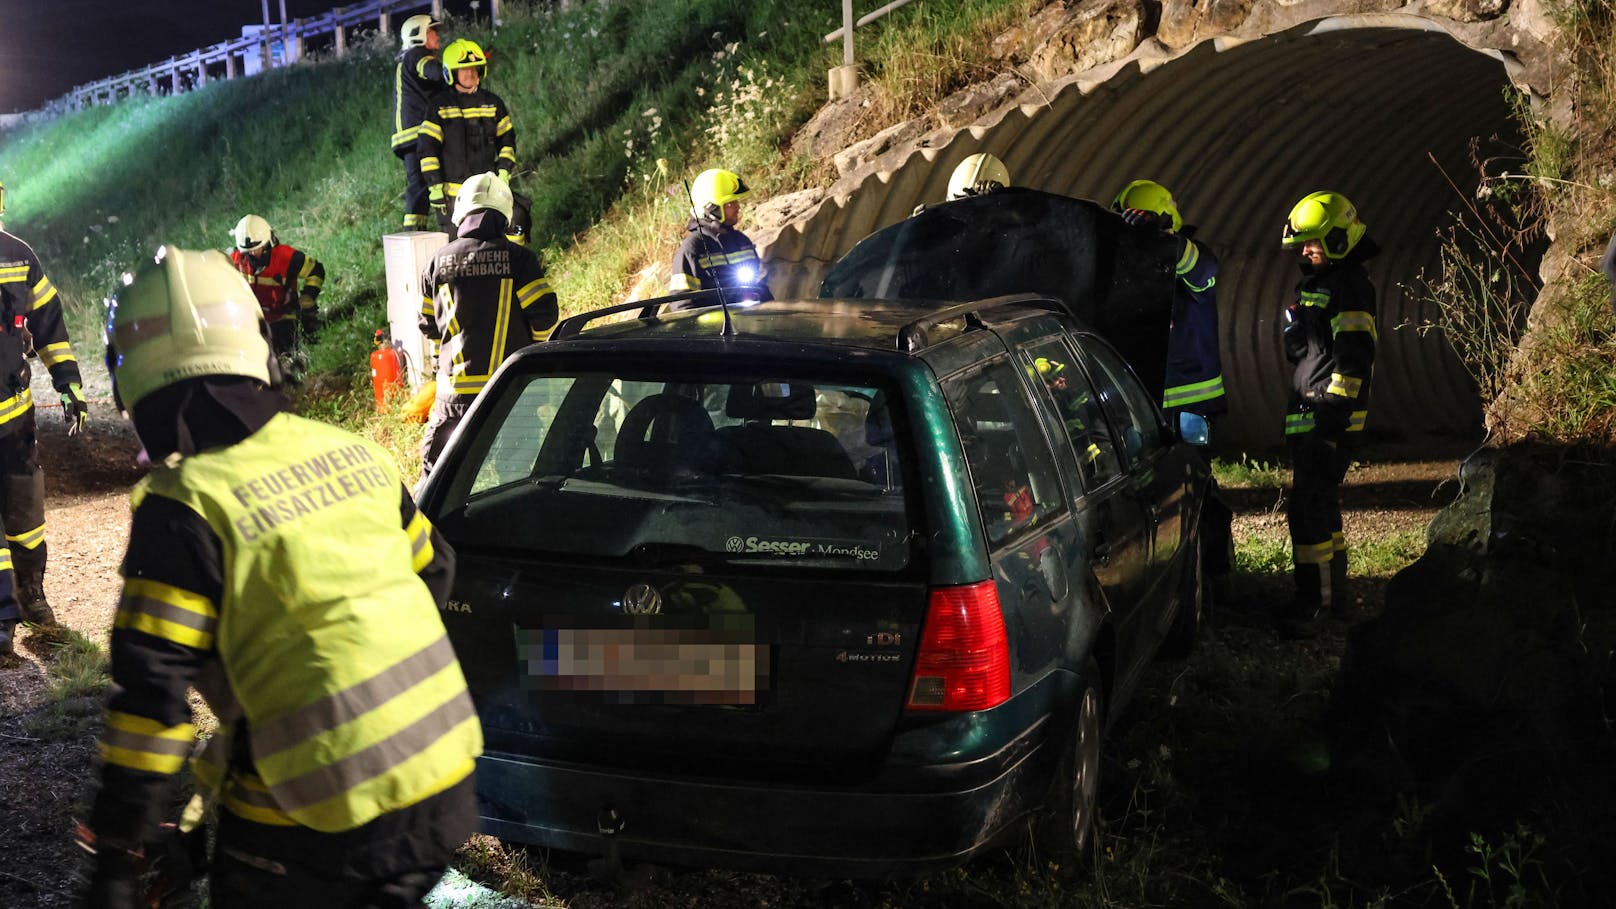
(386, 376)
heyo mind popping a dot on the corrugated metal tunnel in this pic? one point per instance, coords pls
(1240, 130)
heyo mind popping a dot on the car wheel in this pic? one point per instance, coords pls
(1071, 817)
(1186, 628)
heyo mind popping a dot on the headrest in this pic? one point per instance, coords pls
(771, 401)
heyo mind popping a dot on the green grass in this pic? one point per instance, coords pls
(78, 676)
(1250, 473)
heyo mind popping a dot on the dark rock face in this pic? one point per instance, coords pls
(1468, 10)
(1486, 683)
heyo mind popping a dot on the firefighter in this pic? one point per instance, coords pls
(714, 253)
(977, 175)
(279, 274)
(30, 323)
(1194, 380)
(468, 132)
(417, 81)
(483, 299)
(278, 565)
(1329, 336)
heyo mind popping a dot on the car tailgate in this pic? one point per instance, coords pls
(718, 670)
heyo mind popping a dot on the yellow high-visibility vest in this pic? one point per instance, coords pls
(331, 644)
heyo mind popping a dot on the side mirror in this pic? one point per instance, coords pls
(1193, 428)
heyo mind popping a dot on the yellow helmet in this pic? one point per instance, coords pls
(1327, 217)
(1148, 195)
(980, 173)
(483, 191)
(413, 32)
(253, 235)
(184, 315)
(713, 190)
(463, 53)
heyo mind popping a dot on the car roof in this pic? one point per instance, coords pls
(899, 326)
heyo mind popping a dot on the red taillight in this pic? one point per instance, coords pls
(964, 659)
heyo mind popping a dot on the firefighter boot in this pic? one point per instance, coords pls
(1339, 603)
(31, 597)
(7, 631)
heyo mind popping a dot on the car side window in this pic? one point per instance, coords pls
(1011, 465)
(1077, 409)
(1130, 406)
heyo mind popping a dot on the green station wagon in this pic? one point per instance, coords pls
(841, 587)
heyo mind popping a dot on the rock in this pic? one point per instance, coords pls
(854, 156)
(774, 213)
(1467, 10)
(1228, 15)
(1179, 20)
(833, 127)
(969, 104)
(1500, 634)
(1090, 34)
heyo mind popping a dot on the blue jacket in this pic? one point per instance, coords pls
(1194, 367)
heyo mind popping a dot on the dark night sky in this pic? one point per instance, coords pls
(49, 46)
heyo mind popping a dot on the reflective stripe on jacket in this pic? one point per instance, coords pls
(417, 79)
(1332, 346)
(484, 298)
(717, 256)
(1194, 366)
(27, 294)
(288, 272)
(465, 135)
(318, 575)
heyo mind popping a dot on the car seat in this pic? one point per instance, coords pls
(760, 447)
(665, 431)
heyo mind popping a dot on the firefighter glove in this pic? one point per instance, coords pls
(440, 206)
(503, 175)
(1139, 217)
(74, 409)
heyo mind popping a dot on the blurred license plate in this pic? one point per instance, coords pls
(647, 665)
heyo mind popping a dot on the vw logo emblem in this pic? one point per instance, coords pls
(642, 599)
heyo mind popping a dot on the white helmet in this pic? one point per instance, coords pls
(413, 33)
(253, 235)
(184, 315)
(483, 191)
(980, 173)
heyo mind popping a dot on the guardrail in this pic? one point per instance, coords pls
(272, 45)
(844, 78)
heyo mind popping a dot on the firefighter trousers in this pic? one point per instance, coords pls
(22, 510)
(393, 862)
(447, 412)
(1318, 547)
(417, 205)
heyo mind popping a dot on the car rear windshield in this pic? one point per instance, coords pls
(675, 470)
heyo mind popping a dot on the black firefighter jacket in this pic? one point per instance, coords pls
(30, 322)
(1330, 339)
(417, 81)
(465, 135)
(483, 299)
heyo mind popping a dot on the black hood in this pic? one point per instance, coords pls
(482, 224)
(208, 412)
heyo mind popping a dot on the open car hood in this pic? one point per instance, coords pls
(1114, 278)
